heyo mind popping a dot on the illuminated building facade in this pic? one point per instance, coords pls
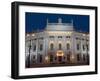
(59, 43)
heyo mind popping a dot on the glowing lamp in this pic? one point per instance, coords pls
(60, 53)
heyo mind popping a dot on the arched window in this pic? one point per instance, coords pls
(60, 46)
(34, 48)
(78, 46)
(41, 47)
(87, 46)
(40, 58)
(51, 46)
(78, 57)
(51, 58)
(68, 57)
(84, 57)
(68, 46)
(83, 47)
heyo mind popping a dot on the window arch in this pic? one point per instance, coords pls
(83, 47)
(51, 46)
(60, 46)
(78, 46)
(41, 47)
(68, 46)
(34, 48)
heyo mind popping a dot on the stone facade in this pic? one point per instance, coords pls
(58, 43)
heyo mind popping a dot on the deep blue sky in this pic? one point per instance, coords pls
(37, 21)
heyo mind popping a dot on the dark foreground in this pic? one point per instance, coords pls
(56, 65)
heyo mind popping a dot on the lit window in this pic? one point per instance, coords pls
(51, 46)
(68, 46)
(69, 33)
(33, 34)
(60, 46)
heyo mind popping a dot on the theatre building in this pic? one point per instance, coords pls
(58, 43)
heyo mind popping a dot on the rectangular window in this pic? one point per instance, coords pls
(82, 38)
(67, 36)
(51, 36)
(77, 38)
(41, 38)
(59, 36)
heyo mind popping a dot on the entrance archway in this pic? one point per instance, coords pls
(60, 55)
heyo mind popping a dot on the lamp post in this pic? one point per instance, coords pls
(29, 54)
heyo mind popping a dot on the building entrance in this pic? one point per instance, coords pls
(60, 55)
(59, 59)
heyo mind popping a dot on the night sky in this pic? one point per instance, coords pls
(37, 21)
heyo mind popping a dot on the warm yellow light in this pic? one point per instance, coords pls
(59, 32)
(72, 57)
(46, 58)
(60, 53)
(69, 33)
(33, 34)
